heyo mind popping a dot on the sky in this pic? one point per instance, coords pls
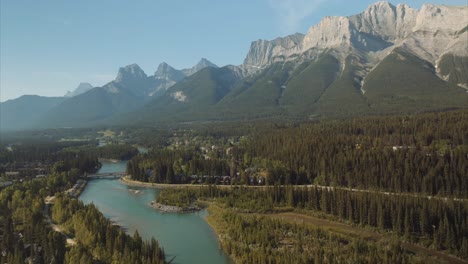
(48, 47)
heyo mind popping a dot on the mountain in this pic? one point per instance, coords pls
(264, 52)
(202, 64)
(429, 33)
(388, 59)
(127, 92)
(25, 111)
(130, 90)
(390, 88)
(166, 76)
(82, 88)
(189, 98)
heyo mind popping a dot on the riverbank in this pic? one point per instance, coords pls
(219, 227)
(77, 188)
(127, 181)
(109, 160)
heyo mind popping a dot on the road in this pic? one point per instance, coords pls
(48, 201)
(126, 180)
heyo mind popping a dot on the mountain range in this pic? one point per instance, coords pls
(82, 88)
(385, 60)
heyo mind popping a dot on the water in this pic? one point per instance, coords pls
(186, 236)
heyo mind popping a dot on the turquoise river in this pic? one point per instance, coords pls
(187, 237)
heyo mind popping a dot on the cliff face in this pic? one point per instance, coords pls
(429, 33)
(263, 52)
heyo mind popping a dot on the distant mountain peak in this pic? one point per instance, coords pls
(82, 88)
(203, 63)
(381, 4)
(163, 70)
(130, 73)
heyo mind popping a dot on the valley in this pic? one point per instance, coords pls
(346, 143)
(382, 189)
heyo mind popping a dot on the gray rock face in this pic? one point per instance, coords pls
(431, 32)
(82, 88)
(263, 52)
(166, 72)
(130, 78)
(130, 73)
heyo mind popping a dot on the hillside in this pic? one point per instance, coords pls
(25, 111)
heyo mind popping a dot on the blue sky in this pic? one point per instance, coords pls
(47, 47)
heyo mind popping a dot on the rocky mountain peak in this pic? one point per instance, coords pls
(164, 70)
(263, 52)
(428, 32)
(441, 17)
(203, 63)
(82, 88)
(330, 32)
(130, 73)
(381, 5)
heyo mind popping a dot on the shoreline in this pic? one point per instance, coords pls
(210, 219)
(109, 160)
(77, 188)
(126, 180)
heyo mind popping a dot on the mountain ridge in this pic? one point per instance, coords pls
(336, 69)
(359, 44)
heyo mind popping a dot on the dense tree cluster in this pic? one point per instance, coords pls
(26, 234)
(437, 223)
(43, 155)
(24, 231)
(42, 151)
(416, 154)
(115, 151)
(168, 166)
(427, 153)
(99, 239)
(254, 239)
(177, 197)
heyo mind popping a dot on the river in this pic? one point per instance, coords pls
(186, 236)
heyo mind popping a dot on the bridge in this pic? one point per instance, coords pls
(106, 175)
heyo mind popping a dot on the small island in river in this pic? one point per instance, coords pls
(176, 201)
(174, 209)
